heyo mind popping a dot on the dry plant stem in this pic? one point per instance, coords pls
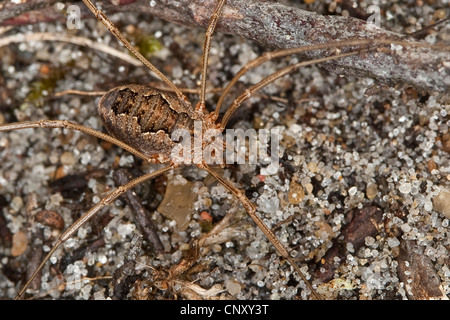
(45, 36)
(222, 224)
(88, 215)
(251, 210)
(79, 92)
(151, 84)
(5, 29)
(422, 32)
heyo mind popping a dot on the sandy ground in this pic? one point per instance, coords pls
(341, 150)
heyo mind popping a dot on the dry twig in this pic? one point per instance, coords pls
(45, 36)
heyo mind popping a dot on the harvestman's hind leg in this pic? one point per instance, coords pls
(105, 201)
(88, 215)
(250, 207)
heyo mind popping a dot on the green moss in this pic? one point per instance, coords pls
(44, 87)
(148, 45)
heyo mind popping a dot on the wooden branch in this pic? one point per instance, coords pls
(26, 12)
(277, 26)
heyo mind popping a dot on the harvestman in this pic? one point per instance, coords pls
(150, 140)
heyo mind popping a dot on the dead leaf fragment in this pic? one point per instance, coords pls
(178, 203)
(417, 272)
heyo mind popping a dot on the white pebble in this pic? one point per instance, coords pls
(428, 205)
(405, 227)
(352, 191)
(393, 242)
(82, 233)
(405, 188)
(369, 241)
(102, 259)
(233, 287)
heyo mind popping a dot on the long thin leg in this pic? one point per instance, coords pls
(286, 52)
(77, 127)
(206, 48)
(280, 73)
(88, 215)
(250, 207)
(111, 27)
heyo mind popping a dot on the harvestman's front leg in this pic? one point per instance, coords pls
(208, 36)
(250, 207)
(73, 126)
(113, 29)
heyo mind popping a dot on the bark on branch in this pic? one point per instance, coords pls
(277, 26)
(26, 12)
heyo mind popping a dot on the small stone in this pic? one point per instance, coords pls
(428, 205)
(268, 202)
(393, 242)
(369, 240)
(67, 158)
(233, 287)
(431, 165)
(312, 167)
(405, 188)
(296, 193)
(441, 202)
(405, 227)
(56, 198)
(19, 243)
(371, 191)
(352, 191)
(309, 187)
(207, 202)
(50, 218)
(60, 173)
(17, 203)
(440, 14)
(325, 231)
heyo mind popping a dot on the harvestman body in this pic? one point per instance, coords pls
(140, 119)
